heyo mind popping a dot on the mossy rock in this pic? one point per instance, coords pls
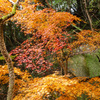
(87, 65)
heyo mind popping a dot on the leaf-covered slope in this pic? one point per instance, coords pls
(55, 87)
(51, 87)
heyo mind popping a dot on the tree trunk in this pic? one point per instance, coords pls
(66, 68)
(88, 15)
(5, 53)
(79, 8)
(8, 60)
(66, 62)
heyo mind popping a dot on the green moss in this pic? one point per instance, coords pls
(93, 64)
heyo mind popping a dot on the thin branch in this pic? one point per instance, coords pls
(48, 4)
(8, 39)
(15, 38)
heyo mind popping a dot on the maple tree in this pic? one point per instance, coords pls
(48, 28)
(50, 37)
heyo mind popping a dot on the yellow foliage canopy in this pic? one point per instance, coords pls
(87, 37)
(46, 21)
(44, 88)
(5, 7)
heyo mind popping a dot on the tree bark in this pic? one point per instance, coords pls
(9, 63)
(5, 53)
(66, 62)
(89, 18)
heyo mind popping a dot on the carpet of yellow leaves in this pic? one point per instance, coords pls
(51, 87)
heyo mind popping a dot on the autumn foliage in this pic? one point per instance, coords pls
(50, 38)
(51, 87)
(3, 9)
(20, 77)
(49, 35)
